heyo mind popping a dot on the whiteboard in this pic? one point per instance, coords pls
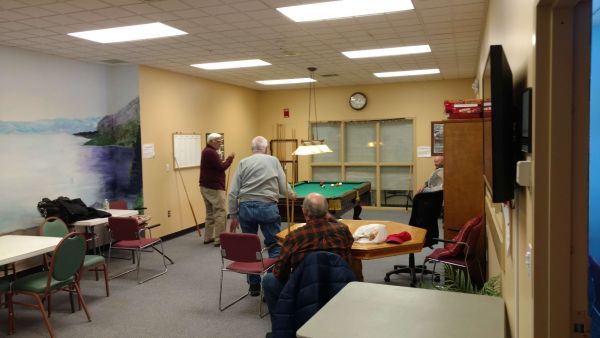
(187, 149)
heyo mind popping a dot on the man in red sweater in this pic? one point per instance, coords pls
(212, 187)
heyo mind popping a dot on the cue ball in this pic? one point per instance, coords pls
(332, 184)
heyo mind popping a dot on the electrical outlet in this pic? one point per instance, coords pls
(168, 213)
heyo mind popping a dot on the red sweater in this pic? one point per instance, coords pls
(212, 169)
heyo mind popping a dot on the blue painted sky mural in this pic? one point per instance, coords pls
(63, 133)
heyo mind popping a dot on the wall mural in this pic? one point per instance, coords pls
(91, 158)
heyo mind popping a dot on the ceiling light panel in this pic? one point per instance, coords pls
(286, 81)
(343, 9)
(129, 33)
(409, 73)
(232, 64)
(370, 53)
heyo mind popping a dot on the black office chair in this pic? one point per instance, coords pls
(426, 210)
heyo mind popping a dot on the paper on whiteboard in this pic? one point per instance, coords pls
(424, 151)
(148, 150)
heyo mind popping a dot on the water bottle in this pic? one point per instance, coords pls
(106, 204)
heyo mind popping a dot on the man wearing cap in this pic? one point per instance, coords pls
(258, 183)
(321, 233)
(212, 187)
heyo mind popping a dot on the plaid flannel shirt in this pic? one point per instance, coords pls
(316, 235)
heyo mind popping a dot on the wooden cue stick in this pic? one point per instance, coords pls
(287, 200)
(293, 201)
(188, 199)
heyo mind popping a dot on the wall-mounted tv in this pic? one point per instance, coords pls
(499, 144)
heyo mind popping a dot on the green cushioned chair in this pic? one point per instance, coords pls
(55, 227)
(5, 290)
(62, 274)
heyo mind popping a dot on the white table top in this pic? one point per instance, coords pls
(100, 221)
(17, 247)
(374, 310)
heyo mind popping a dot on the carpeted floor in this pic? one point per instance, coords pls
(181, 303)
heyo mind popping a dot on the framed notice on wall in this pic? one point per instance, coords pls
(187, 149)
(437, 138)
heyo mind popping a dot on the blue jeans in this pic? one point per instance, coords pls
(253, 214)
(272, 288)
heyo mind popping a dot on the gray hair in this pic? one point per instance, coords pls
(315, 205)
(259, 144)
(214, 136)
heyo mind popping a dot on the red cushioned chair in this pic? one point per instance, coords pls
(126, 234)
(461, 250)
(247, 256)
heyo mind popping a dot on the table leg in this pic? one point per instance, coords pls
(357, 211)
(413, 272)
(357, 268)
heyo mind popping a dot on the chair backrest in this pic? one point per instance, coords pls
(67, 257)
(118, 204)
(426, 210)
(123, 228)
(466, 235)
(240, 247)
(53, 227)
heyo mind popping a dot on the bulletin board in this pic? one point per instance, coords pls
(187, 149)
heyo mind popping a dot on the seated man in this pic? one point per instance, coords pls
(321, 233)
(435, 182)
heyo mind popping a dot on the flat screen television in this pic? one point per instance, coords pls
(499, 144)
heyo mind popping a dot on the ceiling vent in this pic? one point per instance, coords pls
(330, 75)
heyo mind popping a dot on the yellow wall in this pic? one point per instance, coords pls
(517, 38)
(421, 100)
(172, 102)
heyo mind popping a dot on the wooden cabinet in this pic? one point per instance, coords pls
(463, 173)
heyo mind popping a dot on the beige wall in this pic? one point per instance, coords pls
(172, 102)
(421, 100)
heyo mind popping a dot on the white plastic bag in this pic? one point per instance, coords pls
(371, 233)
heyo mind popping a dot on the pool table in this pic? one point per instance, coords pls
(341, 198)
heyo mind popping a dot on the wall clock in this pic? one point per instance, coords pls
(358, 101)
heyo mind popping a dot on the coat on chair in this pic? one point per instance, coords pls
(319, 277)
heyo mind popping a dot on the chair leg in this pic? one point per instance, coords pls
(11, 313)
(49, 298)
(82, 302)
(45, 316)
(260, 300)
(105, 270)
(235, 301)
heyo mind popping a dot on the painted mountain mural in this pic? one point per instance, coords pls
(88, 158)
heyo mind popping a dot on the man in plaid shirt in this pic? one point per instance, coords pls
(319, 234)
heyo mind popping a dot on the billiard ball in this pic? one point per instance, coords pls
(333, 185)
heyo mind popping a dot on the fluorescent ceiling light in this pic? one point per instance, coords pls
(129, 33)
(232, 64)
(286, 81)
(370, 53)
(408, 73)
(343, 9)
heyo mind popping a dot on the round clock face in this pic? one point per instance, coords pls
(358, 101)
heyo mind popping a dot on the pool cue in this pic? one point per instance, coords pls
(188, 199)
(287, 201)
